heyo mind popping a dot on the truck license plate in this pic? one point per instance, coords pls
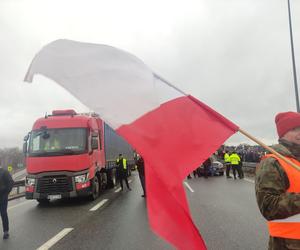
(54, 196)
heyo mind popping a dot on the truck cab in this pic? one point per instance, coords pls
(65, 157)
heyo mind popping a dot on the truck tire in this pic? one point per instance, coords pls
(95, 189)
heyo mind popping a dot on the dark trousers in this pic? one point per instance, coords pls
(3, 210)
(228, 167)
(142, 179)
(238, 169)
(241, 171)
(123, 176)
(234, 170)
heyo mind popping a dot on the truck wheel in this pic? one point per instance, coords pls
(95, 188)
(43, 201)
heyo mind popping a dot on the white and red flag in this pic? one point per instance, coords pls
(173, 132)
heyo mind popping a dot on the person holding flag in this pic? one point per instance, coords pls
(277, 185)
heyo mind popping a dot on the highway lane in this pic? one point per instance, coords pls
(224, 210)
(31, 224)
(226, 213)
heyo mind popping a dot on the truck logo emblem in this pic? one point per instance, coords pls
(54, 180)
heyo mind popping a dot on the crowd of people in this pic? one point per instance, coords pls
(247, 153)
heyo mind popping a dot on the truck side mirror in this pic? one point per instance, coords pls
(26, 137)
(25, 147)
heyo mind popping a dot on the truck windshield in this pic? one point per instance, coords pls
(62, 141)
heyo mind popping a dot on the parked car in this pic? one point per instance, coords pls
(216, 169)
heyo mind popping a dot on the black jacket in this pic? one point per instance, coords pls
(6, 182)
(140, 166)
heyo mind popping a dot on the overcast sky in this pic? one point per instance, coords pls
(233, 55)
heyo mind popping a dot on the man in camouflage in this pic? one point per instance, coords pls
(272, 182)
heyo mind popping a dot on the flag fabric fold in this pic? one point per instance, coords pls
(174, 132)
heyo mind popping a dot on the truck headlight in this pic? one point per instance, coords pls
(30, 181)
(82, 178)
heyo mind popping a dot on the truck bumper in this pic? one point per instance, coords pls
(57, 183)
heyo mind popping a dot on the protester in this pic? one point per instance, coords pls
(277, 185)
(6, 185)
(122, 171)
(141, 169)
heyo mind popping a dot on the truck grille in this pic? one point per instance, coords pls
(54, 184)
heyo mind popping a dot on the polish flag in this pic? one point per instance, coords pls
(174, 132)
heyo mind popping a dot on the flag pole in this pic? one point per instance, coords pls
(241, 131)
(169, 84)
(269, 149)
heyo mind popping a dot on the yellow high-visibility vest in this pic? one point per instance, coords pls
(124, 162)
(226, 157)
(234, 159)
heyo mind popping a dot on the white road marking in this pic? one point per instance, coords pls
(118, 190)
(129, 181)
(55, 239)
(20, 204)
(188, 186)
(100, 204)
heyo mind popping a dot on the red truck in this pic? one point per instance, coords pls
(70, 155)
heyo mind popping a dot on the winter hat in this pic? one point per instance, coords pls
(286, 121)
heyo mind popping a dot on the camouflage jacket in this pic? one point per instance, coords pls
(271, 183)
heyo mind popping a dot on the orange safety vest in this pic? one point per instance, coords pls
(289, 227)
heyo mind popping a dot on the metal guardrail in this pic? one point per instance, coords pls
(250, 164)
(18, 190)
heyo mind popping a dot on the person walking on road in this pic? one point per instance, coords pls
(141, 169)
(6, 185)
(277, 185)
(235, 164)
(122, 171)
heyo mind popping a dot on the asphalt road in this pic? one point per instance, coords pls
(224, 210)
